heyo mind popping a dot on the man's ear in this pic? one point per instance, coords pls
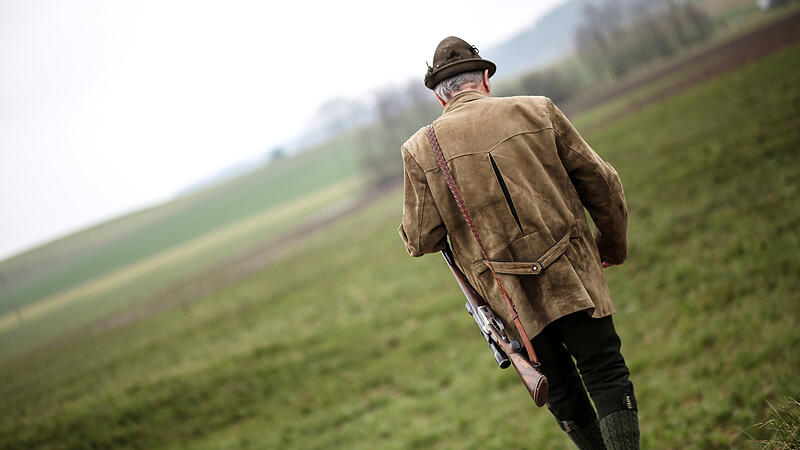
(486, 84)
(441, 100)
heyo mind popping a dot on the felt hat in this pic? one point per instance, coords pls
(454, 56)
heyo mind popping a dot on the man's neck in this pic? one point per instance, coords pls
(481, 90)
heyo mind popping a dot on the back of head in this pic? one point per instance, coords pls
(456, 64)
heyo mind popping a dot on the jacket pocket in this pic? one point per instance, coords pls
(529, 267)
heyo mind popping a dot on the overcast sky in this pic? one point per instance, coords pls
(110, 106)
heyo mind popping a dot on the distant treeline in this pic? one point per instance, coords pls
(615, 37)
(399, 112)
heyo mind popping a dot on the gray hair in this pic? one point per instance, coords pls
(449, 86)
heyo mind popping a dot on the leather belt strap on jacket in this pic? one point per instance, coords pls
(533, 267)
(451, 183)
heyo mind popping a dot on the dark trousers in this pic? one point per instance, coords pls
(595, 345)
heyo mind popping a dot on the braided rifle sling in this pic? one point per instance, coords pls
(451, 183)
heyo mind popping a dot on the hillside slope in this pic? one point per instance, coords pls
(349, 343)
(72, 281)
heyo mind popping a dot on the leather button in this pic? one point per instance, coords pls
(536, 268)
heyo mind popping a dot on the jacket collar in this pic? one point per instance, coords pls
(461, 98)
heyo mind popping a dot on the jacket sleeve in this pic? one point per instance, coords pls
(422, 228)
(598, 187)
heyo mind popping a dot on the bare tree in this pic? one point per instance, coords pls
(399, 112)
(616, 36)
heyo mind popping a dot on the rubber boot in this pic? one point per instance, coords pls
(585, 437)
(621, 430)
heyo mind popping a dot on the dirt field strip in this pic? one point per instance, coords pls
(241, 265)
(176, 255)
(727, 56)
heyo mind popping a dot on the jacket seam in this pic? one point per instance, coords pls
(411, 155)
(563, 141)
(605, 181)
(421, 216)
(492, 148)
(424, 200)
(518, 134)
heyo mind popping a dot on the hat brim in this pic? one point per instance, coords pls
(457, 67)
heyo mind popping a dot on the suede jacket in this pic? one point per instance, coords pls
(526, 176)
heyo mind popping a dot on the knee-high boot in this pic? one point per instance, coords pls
(585, 437)
(621, 430)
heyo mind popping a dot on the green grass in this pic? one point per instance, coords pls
(782, 430)
(146, 280)
(346, 342)
(712, 176)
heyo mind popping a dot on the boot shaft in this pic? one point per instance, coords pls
(621, 430)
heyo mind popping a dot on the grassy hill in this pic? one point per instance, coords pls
(141, 257)
(346, 342)
(85, 276)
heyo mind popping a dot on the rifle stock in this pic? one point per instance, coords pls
(492, 329)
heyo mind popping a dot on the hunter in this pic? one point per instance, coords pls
(526, 176)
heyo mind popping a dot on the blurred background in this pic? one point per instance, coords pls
(198, 243)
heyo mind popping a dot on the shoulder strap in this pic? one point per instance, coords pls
(451, 183)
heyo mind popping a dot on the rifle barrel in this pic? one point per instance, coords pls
(473, 302)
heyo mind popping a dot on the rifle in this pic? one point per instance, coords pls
(505, 352)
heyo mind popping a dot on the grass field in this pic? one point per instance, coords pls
(346, 342)
(54, 315)
(84, 277)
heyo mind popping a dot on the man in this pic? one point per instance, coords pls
(526, 176)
